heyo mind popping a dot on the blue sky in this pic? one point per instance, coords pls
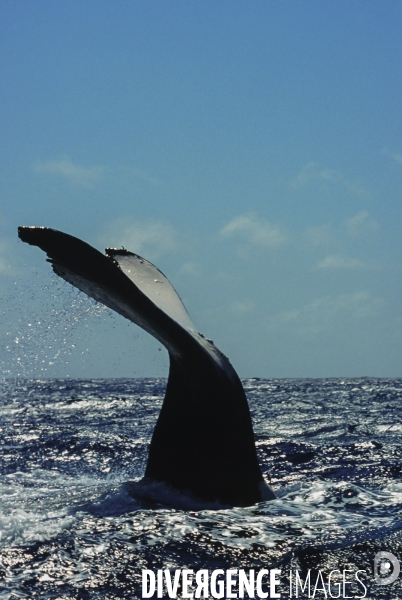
(251, 150)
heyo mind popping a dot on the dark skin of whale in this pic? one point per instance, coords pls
(203, 441)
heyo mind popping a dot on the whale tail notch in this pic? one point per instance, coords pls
(203, 441)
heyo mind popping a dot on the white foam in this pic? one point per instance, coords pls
(22, 527)
(40, 505)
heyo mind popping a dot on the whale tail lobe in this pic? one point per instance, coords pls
(203, 441)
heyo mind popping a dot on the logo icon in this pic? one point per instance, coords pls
(386, 568)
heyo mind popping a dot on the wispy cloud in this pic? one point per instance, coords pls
(313, 172)
(395, 155)
(322, 313)
(150, 238)
(341, 261)
(361, 225)
(248, 228)
(242, 307)
(360, 304)
(74, 173)
(193, 269)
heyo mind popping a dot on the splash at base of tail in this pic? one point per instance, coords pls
(203, 442)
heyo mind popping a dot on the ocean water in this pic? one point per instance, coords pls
(76, 523)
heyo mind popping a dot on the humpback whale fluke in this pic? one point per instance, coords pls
(203, 441)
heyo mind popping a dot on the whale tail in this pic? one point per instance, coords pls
(203, 442)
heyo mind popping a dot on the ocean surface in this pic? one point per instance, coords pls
(71, 526)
